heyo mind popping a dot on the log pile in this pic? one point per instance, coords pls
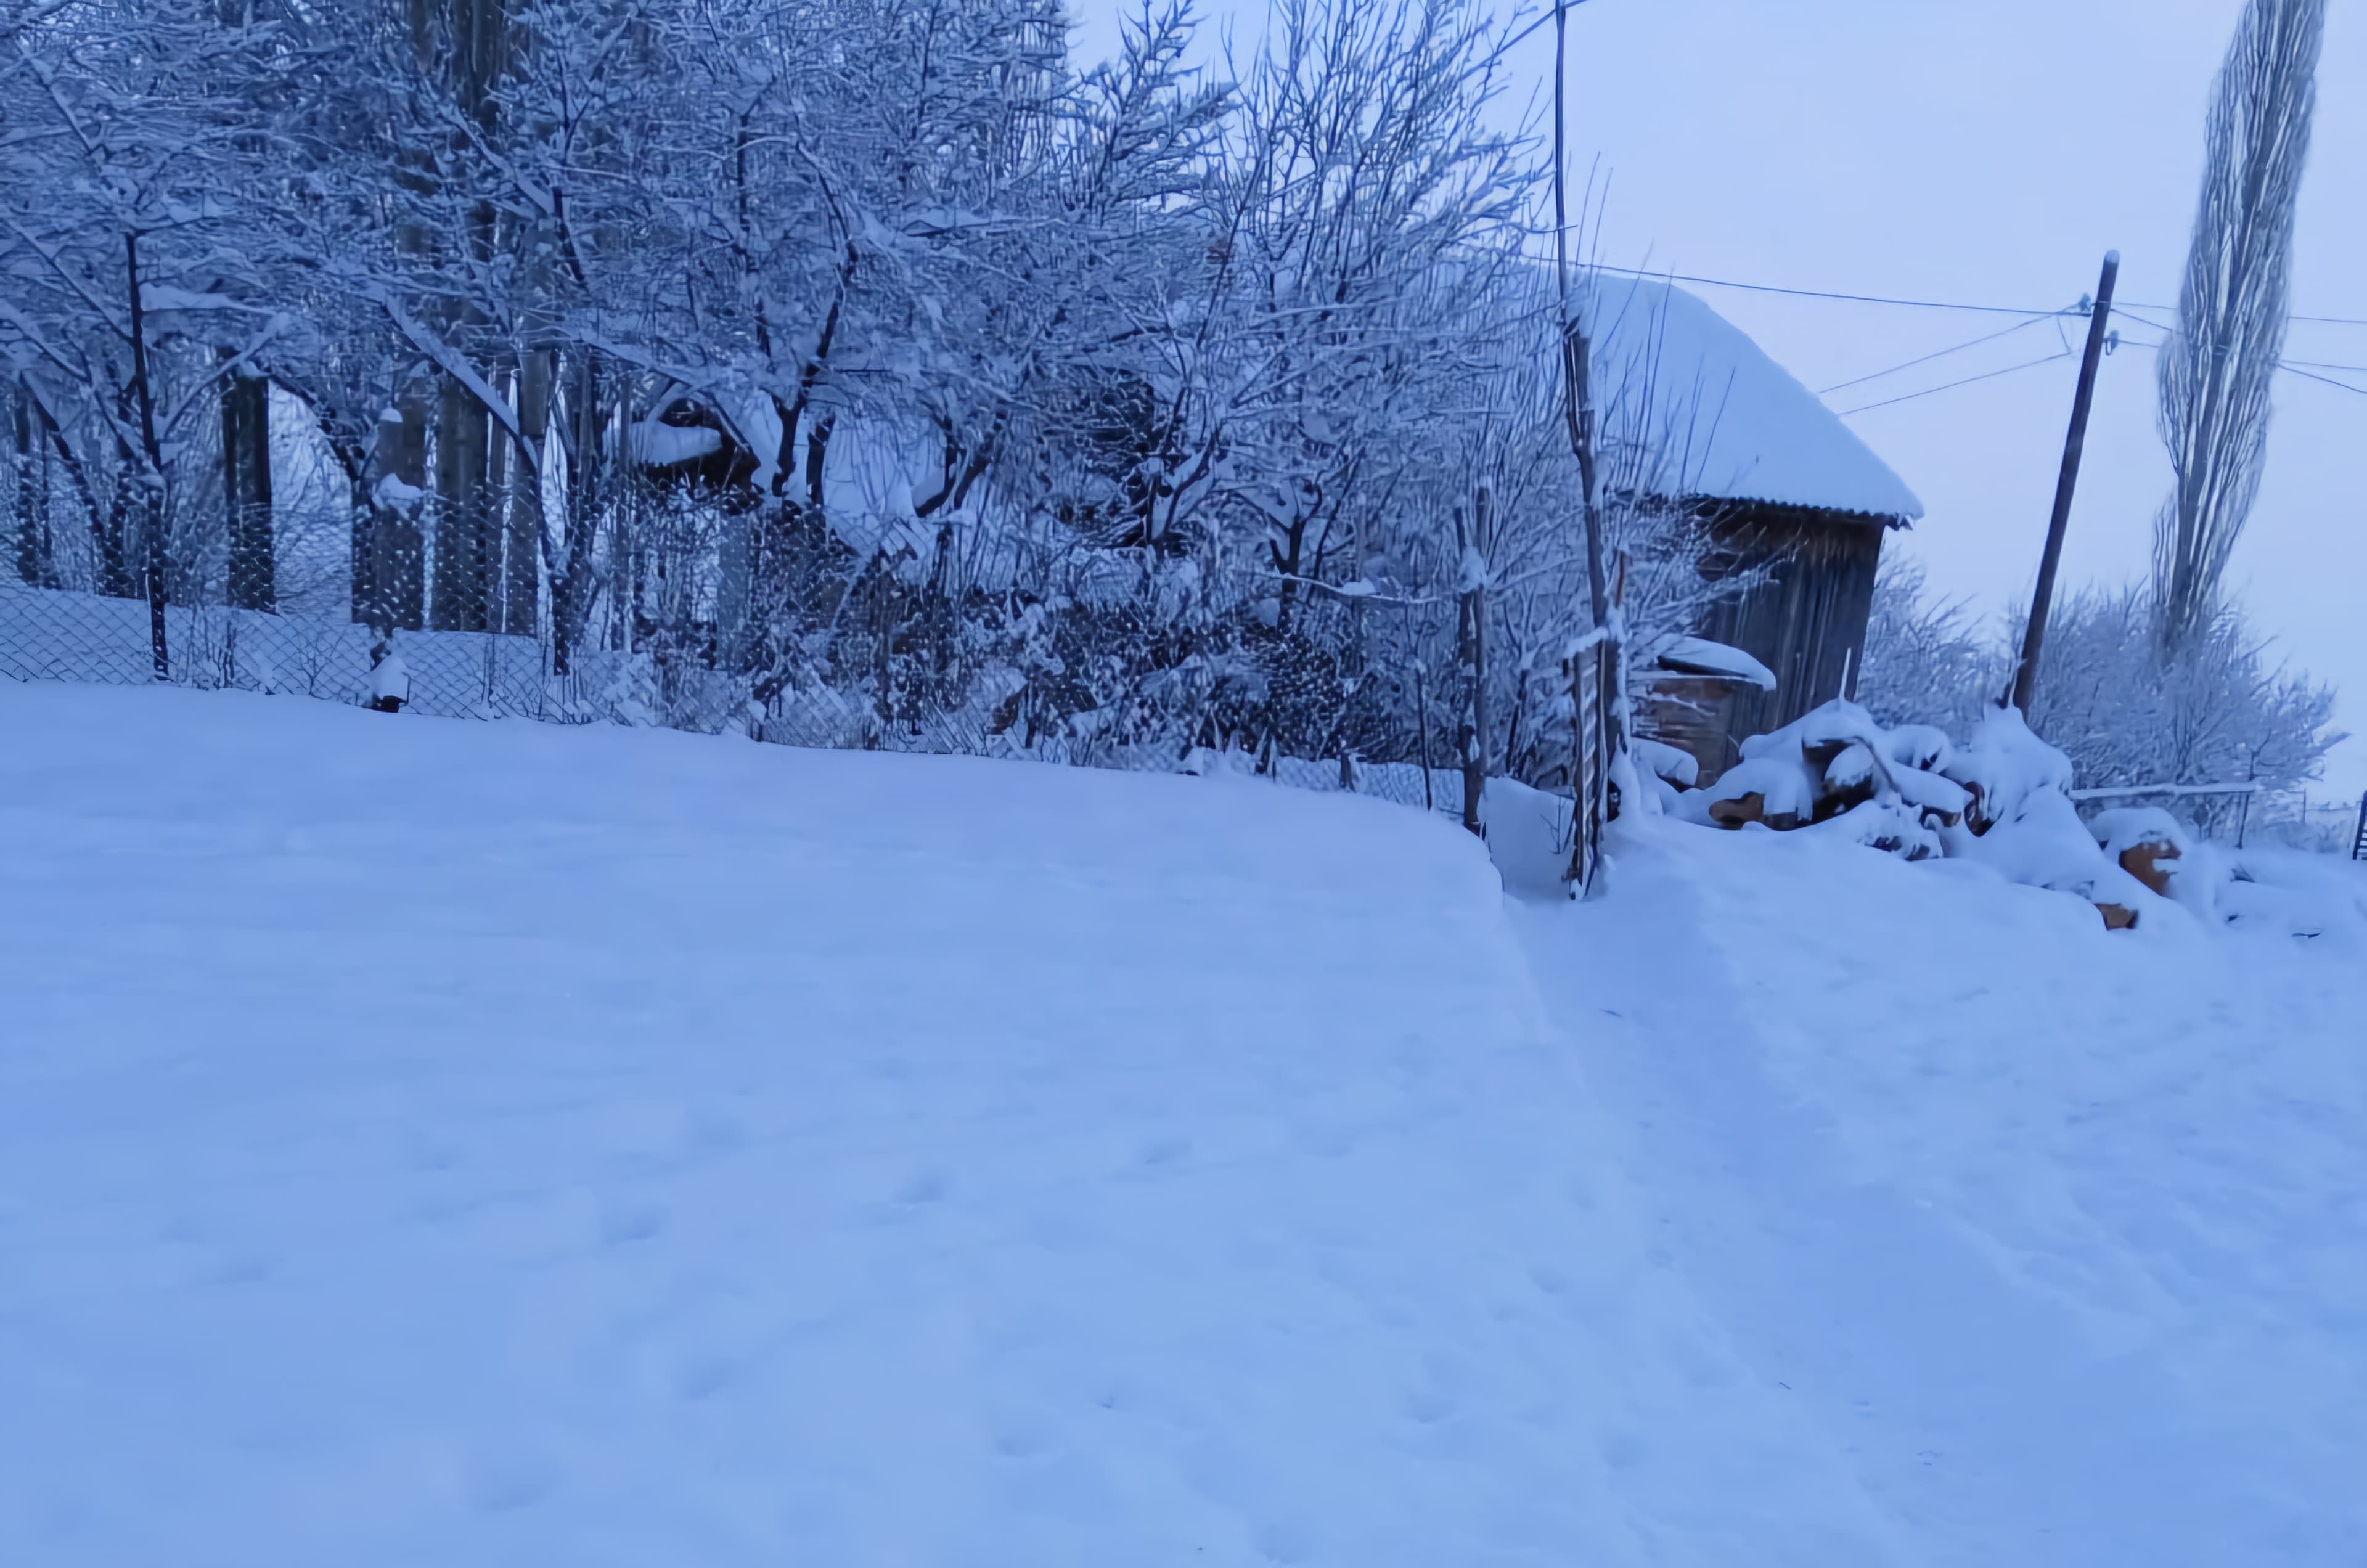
(2003, 799)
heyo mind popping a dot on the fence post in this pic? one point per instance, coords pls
(1574, 669)
(1475, 732)
(1422, 728)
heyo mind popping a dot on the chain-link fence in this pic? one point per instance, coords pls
(1104, 660)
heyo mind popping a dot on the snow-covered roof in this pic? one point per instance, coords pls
(1740, 426)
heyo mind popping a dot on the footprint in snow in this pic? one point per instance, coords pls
(926, 1187)
(1429, 1407)
(624, 1222)
(703, 1375)
(502, 1483)
(1163, 1150)
(1285, 1544)
(710, 1129)
(240, 1269)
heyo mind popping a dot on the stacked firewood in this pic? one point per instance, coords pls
(2003, 799)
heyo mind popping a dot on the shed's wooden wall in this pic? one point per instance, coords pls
(1806, 622)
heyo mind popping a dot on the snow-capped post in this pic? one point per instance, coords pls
(1473, 734)
(2033, 636)
(390, 685)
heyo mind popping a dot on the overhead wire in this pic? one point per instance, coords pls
(1940, 354)
(2307, 369)
(1952, 386)
(2135, 310)
(2292, 369)
(1819, 293)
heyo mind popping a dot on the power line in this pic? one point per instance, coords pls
(1942, 354)
(1952, 386)
(2131, 313)
(2305, 369)
(2314, 376)
(2321, 365)
(1915, 304)
(2323, 321)
(1822, 293)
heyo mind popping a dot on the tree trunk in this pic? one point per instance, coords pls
(461, 512)
(398, 553)
(572, 562)
(521, 586)
(246, 490)
(495, 497)
(77, 477)
(114, 535)
(361, 601)
(33, 508)
(150, 471)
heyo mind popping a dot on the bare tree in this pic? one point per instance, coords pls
(2216, 371)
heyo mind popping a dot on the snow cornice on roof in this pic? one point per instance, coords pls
(1725, 421)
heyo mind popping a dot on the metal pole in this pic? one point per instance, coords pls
(2025, 675)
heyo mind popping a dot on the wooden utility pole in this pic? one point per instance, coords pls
(2033, 636)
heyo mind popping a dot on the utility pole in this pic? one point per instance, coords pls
(2033, 636)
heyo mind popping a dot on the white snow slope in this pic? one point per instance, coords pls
(425, 1142)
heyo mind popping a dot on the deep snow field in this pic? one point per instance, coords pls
(435, 1142)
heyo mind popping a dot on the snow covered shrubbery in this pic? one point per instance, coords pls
(2002, 799)
(2220, 713)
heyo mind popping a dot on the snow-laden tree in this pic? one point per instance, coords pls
(131, 284)
(859, 369)
(2217, 368)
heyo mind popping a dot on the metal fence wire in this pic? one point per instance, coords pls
(1101, 658)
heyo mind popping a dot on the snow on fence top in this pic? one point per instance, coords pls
(1740, 427)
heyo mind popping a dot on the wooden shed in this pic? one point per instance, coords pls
(1699, 420)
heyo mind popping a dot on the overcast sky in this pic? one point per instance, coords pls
(1991, 154)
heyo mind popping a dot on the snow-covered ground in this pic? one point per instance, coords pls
(472, 1144)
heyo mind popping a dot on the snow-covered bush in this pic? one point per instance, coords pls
(2222, 712)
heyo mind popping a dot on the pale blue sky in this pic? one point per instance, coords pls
(1988, 152)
